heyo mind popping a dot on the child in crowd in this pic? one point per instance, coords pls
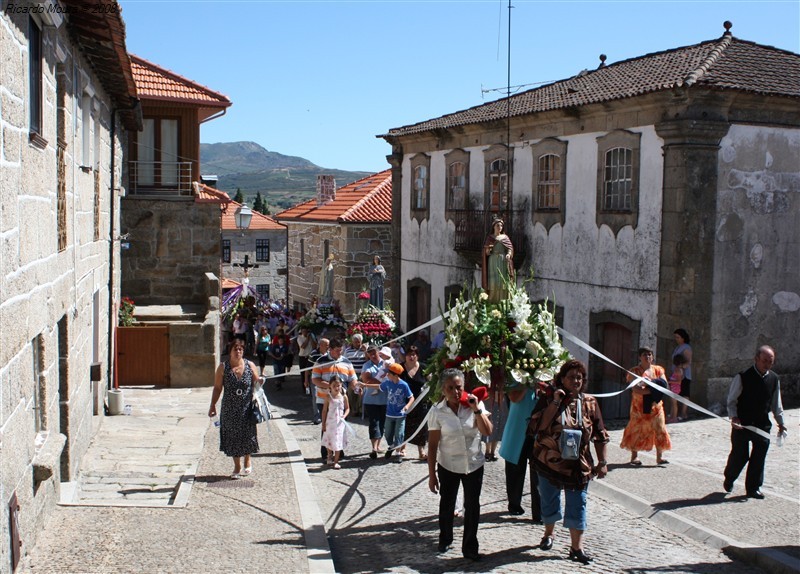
(678, 365)
(334, 412)
(398, 400)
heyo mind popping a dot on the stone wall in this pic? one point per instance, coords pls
(353, 246)
(272, 272)
(54, 309)
(173, 244)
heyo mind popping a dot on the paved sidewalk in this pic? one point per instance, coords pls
(686, 495)
(249, 525)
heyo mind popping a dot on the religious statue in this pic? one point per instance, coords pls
(326, 281)
(377, 275)
(498, 267)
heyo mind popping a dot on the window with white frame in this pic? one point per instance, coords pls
(548, 190)
(618, 179)
(420, 186)
(263, 290)
(498, 184)
(549, 181)
(457, 192)
(226, 250)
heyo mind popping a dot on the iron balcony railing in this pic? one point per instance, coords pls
(171, 178)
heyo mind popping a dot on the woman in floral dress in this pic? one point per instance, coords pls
(647, 427)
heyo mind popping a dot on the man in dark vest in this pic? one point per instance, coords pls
(753, 394)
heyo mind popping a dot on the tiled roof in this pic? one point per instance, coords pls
(207, 194)
(157, 83)
(724, 64)
(259, 221)
(368, 200)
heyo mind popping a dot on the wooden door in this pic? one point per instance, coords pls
(143, 355)
(616, 345)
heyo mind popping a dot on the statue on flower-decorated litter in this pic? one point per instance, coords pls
(377, 275)
(498, 267)
(326, 281)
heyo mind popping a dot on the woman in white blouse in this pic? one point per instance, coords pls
(455, 427)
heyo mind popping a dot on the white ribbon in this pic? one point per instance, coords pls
(637, 379)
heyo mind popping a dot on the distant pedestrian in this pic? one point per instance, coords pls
(305, 346)
(238, 436)
(262, 348)
(455, 458)
(754, 393)
(334, 413)
(675, 383)
(682, 347)
(647, 427)
(415, 377)
(278, 351)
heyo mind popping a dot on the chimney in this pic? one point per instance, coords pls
(326, 189)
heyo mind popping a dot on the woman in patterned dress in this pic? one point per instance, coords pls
(238, 436)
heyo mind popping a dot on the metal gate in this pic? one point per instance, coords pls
(143, 355)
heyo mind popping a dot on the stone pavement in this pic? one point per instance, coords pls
(379, 516)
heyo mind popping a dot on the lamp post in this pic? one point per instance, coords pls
(242, 217)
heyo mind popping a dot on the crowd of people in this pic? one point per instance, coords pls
(544, 431)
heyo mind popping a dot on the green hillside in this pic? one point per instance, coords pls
(283, 180)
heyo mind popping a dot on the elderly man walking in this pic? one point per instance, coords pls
(753, 394)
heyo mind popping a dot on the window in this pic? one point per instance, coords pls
(302, 253)
(157, 154)
(37, 346)
(86, 130)
(263, 291)
(226, 250)
(498, 177)
(457, 180)
(35, 83)
(420, 186)
(262, 249)
(618, 179)
(549, 181)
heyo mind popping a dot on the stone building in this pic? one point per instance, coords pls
(352, 223)
(68, 99)
(264, 245)
(171, 222)
(646, 195)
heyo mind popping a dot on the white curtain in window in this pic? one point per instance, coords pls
(169, 152)
(145, 174)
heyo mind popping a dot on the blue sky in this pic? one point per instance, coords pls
(320, 79)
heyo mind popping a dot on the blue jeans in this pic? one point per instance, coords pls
(376, 416)
(575, 511)
(395, 430)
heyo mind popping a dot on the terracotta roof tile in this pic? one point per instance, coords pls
(206, 194)
(157, 83)
(726, 63)
(229, 283)
(368, 200)
(257, 223)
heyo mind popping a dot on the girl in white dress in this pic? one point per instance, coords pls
(334, 413)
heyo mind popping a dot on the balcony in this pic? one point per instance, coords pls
(472, 227)
(165, 179)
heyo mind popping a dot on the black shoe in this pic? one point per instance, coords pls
(756, 494)
(537, 520)
(373, 454)
(474, 556)
(317, 421)
(546, 543)
(727, 485)
(516, 511)
(388, 454)
(579, 556)
(444, 546)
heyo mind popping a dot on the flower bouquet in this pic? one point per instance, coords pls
(377, 326)
(511, 342)
(126, 309)
(322, 318)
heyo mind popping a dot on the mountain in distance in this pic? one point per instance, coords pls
(283, 180)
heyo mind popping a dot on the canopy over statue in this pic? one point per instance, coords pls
(498, 267)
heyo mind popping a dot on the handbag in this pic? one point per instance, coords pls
(570, 441)
(258, 412)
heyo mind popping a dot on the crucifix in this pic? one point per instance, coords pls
(247, 266)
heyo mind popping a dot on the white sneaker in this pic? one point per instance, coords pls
(308, 391)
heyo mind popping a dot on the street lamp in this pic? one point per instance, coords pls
(242, 217)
